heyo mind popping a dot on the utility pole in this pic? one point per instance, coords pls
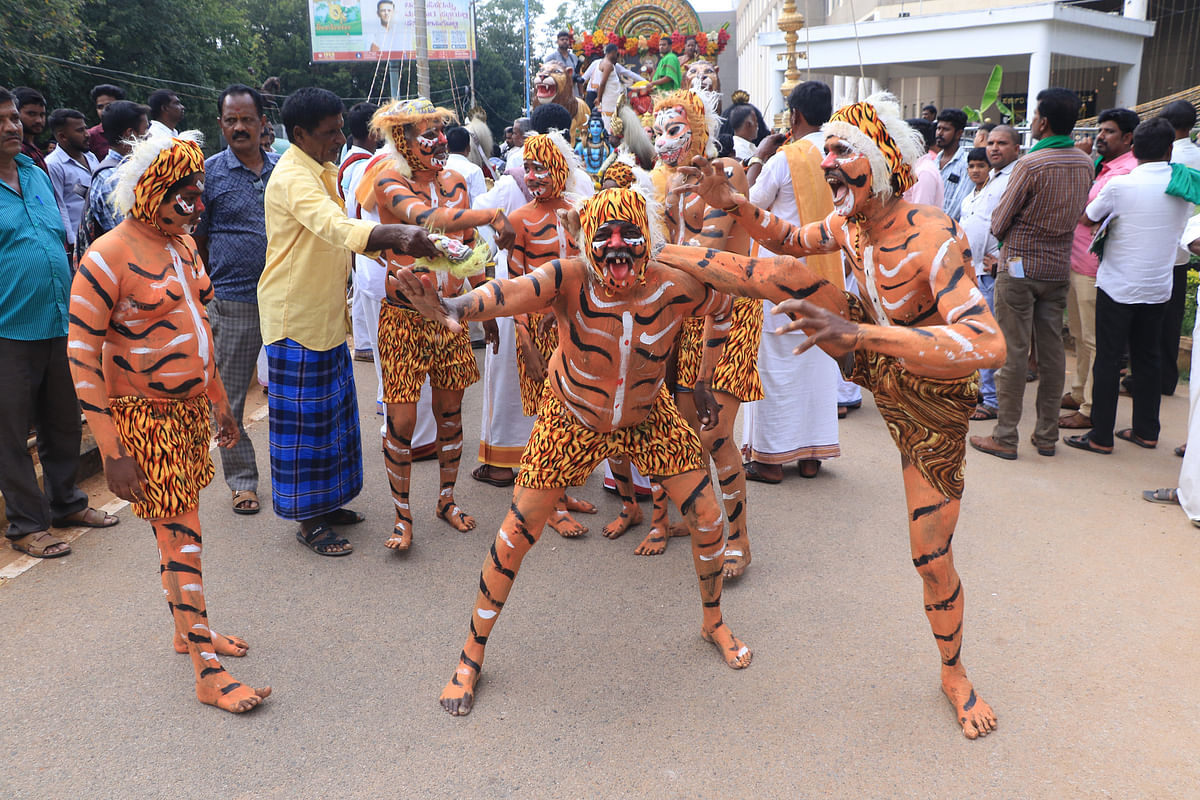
(421, 36)
(527, 105)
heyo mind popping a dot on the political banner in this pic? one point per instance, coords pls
(369, 30)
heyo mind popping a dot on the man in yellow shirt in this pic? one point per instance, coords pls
(316, 457)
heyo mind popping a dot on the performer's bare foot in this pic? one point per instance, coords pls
(458, 519)
(975, 716)
(737, 558)
(631, 515)
(459, 694)
(224, 645)
(736, 654)
(579, 506)
(565, 525)
(230, 695)
(402, 536)
(655, 543)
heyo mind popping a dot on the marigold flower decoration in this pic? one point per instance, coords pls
(591, 44)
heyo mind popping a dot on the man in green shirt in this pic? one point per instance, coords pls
(667, 76)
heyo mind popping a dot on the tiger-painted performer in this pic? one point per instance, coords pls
(142, 357)
(550, 170)
(415, 187)
(617, 313)
(684, 127)
(918, 330)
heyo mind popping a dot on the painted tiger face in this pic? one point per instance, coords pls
(545, 167)
(615, 225)
(181, 207)
(427, 143)
(848, 173)
(619, 250)
(672, 135)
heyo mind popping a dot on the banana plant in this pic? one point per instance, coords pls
(991, 95)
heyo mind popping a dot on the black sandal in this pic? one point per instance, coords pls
(321, 538)
(344, 516)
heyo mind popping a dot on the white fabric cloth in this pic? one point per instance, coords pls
(849, 392)
(613, 88)
(160, 129)
(1144, 228)
(797, 417)
(976, 219)
(1184, 151)
(471, 172)
(502, 424)
(1189, 472)
(743, 148)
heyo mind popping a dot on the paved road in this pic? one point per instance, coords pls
(1082, 631)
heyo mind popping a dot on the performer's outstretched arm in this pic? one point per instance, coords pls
(505, 298)
(777, 279)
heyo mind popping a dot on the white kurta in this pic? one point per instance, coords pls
(1189, 473)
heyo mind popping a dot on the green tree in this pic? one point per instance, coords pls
(574, 16)
(28, 35)
(500, 70)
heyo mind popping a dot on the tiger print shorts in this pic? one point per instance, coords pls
(737, 371)
(170, 440)
(562, 451)
(531, 390)
(927, 417)
(411, 347)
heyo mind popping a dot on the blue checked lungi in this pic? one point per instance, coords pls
(316, 449)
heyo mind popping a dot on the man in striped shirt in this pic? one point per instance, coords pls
(1035, 222)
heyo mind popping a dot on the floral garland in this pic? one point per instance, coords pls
(592, 43)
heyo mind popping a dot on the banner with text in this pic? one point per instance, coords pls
(368, 30)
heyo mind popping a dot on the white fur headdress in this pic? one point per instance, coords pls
(131, 169)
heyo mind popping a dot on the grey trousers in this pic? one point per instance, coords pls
(1025, 305)
(38, 390)
(238, 339)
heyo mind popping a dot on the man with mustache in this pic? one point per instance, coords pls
(233, 243)
(414, 187)
(142, 357)
(35, 280)
(918, 330)
(617, 312)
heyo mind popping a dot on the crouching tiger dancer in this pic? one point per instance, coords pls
(138, 299)
(617, 314)
(414, 187)
(918, 333)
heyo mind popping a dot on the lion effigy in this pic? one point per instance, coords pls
(552, 85)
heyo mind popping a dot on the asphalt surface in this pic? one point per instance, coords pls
(1081, 630)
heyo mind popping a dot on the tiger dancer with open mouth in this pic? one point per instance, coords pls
(617, 313)
(919, 330)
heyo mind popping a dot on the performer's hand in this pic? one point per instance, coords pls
(505, 235)
(421, 292)
(547, 324)
(707, 409)
(835, 335)
(126, 479)
(535, 363)
(708, 180)
(1085, 144)
(491, 335)
(227, 428)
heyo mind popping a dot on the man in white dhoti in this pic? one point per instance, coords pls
(797, 418)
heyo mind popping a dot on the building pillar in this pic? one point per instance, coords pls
(839, 91)
(1128, 77)
(1039, 76)
(1136, 9)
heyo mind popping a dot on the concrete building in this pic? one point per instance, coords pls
(1113, 53)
